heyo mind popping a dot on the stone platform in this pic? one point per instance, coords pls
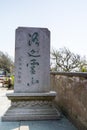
(62, 124)
(31, 106)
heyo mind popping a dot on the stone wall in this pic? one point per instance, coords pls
(71, 96)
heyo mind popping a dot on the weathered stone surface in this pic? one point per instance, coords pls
(72, 96)
(32, 60)
(32, 99)
(30, 107)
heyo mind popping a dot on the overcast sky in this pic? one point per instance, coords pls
(66, 19)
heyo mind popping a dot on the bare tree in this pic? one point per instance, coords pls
(66, 61)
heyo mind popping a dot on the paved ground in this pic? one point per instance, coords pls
(62, 124)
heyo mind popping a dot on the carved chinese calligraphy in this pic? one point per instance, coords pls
(32, 60)
(32, 99)
(33, 55)
(19, 69)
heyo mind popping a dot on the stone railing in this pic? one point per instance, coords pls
(71, 96)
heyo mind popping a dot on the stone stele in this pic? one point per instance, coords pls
(32, 60)
(32, 99)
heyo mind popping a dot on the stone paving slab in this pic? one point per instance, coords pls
(9, 126)
(38, 125)
(63, 124)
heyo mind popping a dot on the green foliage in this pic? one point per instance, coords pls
(6, 63)
(11, 81)
(12, 77)
(84, 69)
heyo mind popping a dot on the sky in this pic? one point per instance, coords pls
(66, 20)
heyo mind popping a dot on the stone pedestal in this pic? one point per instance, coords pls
(32, 99)
(31, 106)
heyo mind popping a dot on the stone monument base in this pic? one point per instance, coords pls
(31, 106)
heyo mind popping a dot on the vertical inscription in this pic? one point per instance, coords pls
(19, 69)
(32, 60)
(33, 55)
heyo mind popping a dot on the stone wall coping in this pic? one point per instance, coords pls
(51, 93)
(76, 74)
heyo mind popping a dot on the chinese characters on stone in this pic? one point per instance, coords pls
(33, 54)
(19, 69)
